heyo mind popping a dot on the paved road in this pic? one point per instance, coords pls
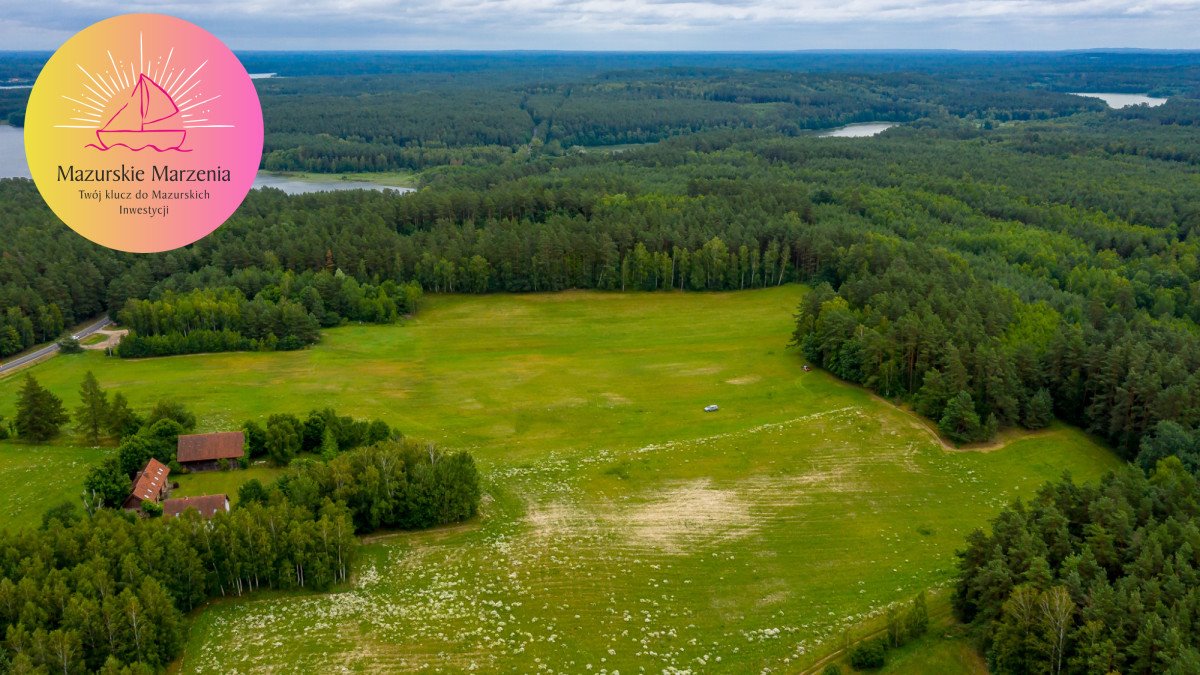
(53, 347)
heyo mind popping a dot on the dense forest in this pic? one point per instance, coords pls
(1090, 578)
(991, 273)
(982, 275)
(370, 111)
(380, 122)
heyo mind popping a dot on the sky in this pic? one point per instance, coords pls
(654, 25)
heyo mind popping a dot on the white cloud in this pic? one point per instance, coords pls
(640, 24)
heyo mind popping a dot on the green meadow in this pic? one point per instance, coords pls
(35, 478)
(623, 527)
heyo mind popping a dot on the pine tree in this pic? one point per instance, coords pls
(960, 421)
(91, 416)
(917, 620)
(40, 414)
(121, 421)
(1039, 412)
(329, 445)
(256, 439)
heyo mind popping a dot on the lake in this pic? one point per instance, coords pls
(12, 165)
(858, 130)
(12, 153)
(297, 186)
(1124, 100)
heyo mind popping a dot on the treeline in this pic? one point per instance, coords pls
(324, 432)
(537, 237)
(917, 326)
(920, 326)
(285, 313)
(214, 321)
(50, 277)
(396, 484)
(1090, 578)
(107, 592)
(382, 122)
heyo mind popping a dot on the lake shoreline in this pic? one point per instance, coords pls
(1116, 101)
(13, 165)
(857, 130)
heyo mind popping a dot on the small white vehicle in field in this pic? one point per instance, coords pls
(711, 408)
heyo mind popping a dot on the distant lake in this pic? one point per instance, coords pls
(1124, 100)
(858, 130)
(262, 76)
(12, 165)
(297, 186)
(16, 86)
(12, 153)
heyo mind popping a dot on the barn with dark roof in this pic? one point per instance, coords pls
(149, 485)
(204, 452)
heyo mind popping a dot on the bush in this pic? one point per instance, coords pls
(171, 410)
(151, 508)
(832, 669)
(868, 655)
(70, 345)
(65, 513)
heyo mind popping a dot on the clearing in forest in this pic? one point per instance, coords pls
(623, 527)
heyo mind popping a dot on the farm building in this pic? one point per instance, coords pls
(207, 505)
(150, 484)
(204, 452)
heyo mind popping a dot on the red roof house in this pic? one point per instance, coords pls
(199, 452)
(149, 484)
(207, 505)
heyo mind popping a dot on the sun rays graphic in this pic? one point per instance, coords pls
(147, 103)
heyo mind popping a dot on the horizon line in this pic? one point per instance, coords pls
(838, 50)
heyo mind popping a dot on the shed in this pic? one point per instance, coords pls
(203, 452)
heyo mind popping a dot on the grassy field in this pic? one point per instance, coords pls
(389, 178)
(623, 527)
(221, 482)
(952, 655)
(945, 649)
(34, 478)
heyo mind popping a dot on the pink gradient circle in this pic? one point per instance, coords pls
(149, 93)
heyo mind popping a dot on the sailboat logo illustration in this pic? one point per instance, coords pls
(150, 119)
(147, 103)
(143, 133)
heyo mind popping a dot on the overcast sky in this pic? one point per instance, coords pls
(638, 24)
